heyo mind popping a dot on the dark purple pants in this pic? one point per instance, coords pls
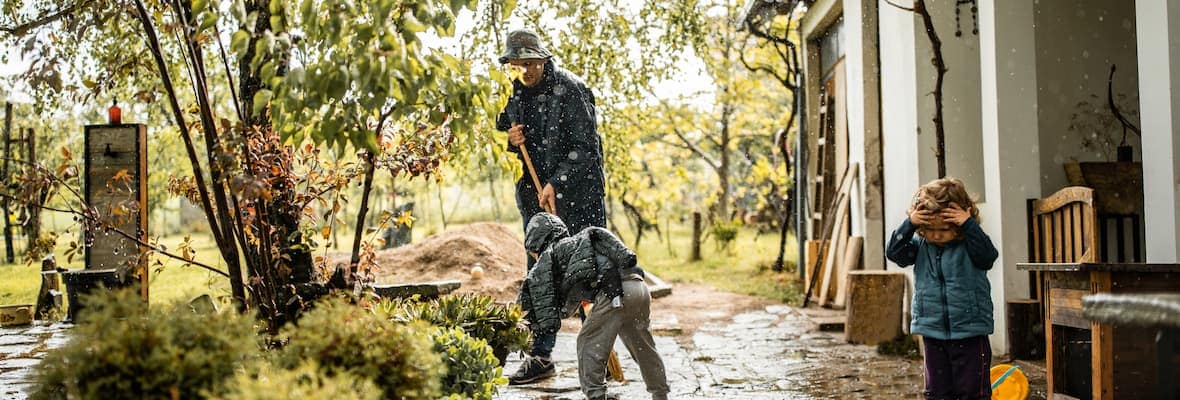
(958, 369)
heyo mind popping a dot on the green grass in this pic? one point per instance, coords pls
(743, 267)
(19, 282)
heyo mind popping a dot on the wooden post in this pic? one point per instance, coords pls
(1026, 329)
(696, 237)
(118, 151)
(49, 298)
(4, 177)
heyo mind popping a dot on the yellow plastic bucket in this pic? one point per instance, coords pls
(1008, 382)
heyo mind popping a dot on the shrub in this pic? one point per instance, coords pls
(480, 317)
(398, 357)
(120, 349)
(473, 372)
(725, 233)
(307, 381)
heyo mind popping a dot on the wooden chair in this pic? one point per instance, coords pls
(1063, 228)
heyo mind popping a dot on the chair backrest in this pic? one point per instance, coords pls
(1064, 227)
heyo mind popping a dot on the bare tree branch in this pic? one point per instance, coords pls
(25, 28)
(910, 9)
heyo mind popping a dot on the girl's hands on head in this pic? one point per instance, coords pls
(954, 214)
(921, 217)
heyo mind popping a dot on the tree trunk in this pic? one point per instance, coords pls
(358, 236)
(696, 237)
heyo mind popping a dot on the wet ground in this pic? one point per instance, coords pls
(772, 353)
(775, 352)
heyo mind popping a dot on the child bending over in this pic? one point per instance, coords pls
(592, 265)
(952, 305)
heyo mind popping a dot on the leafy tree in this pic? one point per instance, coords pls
(347, 75)
(773, 34)
(256, 88)
(731, 138)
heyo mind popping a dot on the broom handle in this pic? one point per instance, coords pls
(528, 163)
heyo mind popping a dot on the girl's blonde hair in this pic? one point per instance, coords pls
(940, 193)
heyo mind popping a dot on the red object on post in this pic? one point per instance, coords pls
(115, 113)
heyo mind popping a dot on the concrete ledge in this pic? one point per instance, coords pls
(426, 290)
(657, 286)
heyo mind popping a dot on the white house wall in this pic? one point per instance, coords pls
(988, 105)
(1158, 36)
(1077, 41)
(864, 128)
(899, 126)
(1010, 143)
(961, 96)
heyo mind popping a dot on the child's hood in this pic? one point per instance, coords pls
(543, 230)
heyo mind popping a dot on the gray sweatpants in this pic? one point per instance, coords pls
(632, 323)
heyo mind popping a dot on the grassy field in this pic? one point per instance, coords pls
(742, 267)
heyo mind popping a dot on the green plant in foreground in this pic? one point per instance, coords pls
(472, 371)
(479, 316)
(307, 381)
(122, 350)
(340, 337)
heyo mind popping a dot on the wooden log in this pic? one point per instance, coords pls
(1026, 329)
(874, 306)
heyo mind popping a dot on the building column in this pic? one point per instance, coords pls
(1157, 24)
(1011, 156)
(864, 128)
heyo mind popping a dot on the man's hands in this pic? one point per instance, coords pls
(951, 215)
(547, 196)
(516, 135)
(548, 199)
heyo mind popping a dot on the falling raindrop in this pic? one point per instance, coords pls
(573, 155)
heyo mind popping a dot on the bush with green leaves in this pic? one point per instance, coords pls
(121, 349)
(472, 371)
(479, 316)
(340, 337)
(307, 381)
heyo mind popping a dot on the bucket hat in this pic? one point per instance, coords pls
(523, 44)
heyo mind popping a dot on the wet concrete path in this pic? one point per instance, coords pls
(21, 348)
(772, 353)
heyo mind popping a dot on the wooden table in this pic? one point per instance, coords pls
(1094, 359)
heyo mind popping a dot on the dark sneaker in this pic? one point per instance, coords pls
(608, 396)
(532, 370)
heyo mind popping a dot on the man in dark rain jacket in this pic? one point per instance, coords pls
(551, 114)
(595, 266)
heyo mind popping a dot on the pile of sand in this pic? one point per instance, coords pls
(451, 254)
